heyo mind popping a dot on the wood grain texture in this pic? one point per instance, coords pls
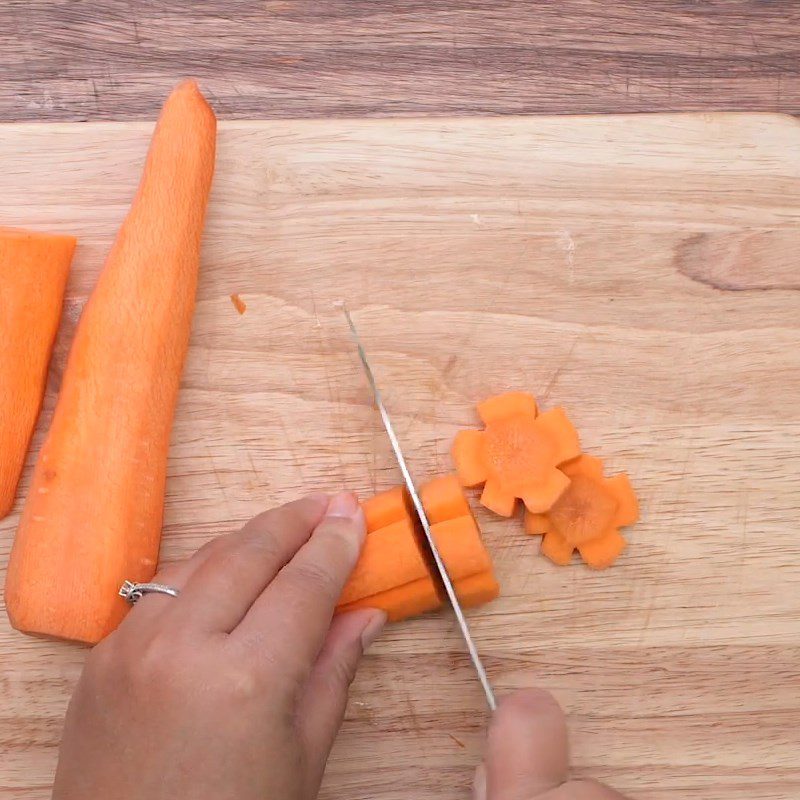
(117, 59)
(640, 271)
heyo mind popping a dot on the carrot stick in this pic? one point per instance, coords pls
(33, 275)
(390, 558)
(93, 518)
(401, 602)
(386, 508)
(443, 499)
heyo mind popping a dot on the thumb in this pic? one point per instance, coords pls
(526, 751)
(321, 707)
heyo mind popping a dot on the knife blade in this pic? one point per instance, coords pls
(423, 518)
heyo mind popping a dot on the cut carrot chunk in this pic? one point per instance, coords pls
(33, 275)
(238, 303)
(390, 558)
(444, 499)
(401, 602)
(557, 549)
(542, 497)
(563, 433)
(584, 464)
(386, 508)
(477, 589)
(627, 504)
(505, 405)
(517, 455)
(468, 458)
(584, 511)
(495, 499)
(461, 547)
(536, 524)
(603, 552)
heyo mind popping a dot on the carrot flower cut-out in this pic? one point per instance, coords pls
(587, 516)
(517, 455)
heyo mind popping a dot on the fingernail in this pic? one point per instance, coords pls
(479, 783)
(343, 505)
(318, 498)
(373, 629)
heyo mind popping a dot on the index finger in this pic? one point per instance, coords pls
(297, 607)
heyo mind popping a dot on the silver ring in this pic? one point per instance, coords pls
(135, 591)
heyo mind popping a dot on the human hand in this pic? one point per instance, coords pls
(235, 689)
(526, 754)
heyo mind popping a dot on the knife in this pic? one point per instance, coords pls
(423, 518)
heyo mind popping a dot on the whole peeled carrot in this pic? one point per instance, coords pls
(33, 274)
(94, 513)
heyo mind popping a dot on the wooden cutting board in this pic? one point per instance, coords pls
(641, 271)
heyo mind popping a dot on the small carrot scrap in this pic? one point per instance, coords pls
(33, 274)
(517, 455)
(238, 303)
(587, 516)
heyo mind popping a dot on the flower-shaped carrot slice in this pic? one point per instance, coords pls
(517, 454)
(587, 516)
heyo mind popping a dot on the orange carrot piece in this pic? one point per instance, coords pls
(477, 589)
(536, 524)
(461, 547)
(497, 500)
(603, 552)
(510, 404)
(93, 516)
(584, 464)
(517, 454)
(238, 303)
(562, 432)
(386, 508)
(557, 549)
(542, 498)
(627, 504)
(588, 513)
(468, 457)
(33, 275)
(585, 511)
(391, 557)
(401, 602)
(443, 499)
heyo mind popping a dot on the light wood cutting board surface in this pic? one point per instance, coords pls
(641, 271)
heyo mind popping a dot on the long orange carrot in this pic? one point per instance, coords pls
(93, 518)
(33, 275)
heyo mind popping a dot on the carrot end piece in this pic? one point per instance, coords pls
(468, 458)
(602, 552)
(628, 505)
(507, 405)
(557, 549)
(497, 500)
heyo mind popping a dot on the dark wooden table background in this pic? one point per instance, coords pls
(116, 59)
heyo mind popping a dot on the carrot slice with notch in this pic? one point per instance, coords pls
(557, 548)
(563, 433)
(507, 405)
(495, 499)
(627, 504)
(603, 552)
(468, 458)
